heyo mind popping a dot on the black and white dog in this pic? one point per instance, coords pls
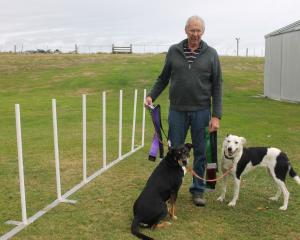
(242, 160)
(150, 208)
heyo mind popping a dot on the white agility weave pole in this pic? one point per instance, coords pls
(56, 156)
(86, 179)
(56, 150)
(21, 165)
(84, 137)
(120, 122)
(143, 117)
(134, 119)
(104, 129)
(25, 221)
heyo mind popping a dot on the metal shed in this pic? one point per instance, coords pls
(282, 63)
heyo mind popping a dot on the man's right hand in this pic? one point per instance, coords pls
(148, 102)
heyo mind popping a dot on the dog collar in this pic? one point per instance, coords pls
(230, 158)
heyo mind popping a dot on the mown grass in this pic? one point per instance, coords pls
(104, 207)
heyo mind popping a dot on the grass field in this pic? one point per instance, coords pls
(104, 207)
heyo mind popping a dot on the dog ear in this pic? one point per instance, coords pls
(171, 149)
(243, 140)
(189, 145)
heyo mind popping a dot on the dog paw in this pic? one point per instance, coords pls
(232, 204)
(220, 199)
(184, 170)
(174, 217)
(164, 224)
(273, 198)
(283, 208)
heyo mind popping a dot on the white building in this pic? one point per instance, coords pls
(282, 63)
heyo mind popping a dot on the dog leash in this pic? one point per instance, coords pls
(157, 141)
(210, 180)
(151, 109)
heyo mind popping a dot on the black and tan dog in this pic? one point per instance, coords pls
(150, 209)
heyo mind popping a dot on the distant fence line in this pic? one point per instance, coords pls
(135, 48)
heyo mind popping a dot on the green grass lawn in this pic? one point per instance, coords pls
(104, 206)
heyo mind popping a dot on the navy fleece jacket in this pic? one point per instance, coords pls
(195, 86)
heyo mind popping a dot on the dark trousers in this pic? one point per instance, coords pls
(179, 124)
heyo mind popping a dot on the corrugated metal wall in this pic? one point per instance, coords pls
(282, 66)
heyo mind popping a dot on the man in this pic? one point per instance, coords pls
(193, 70)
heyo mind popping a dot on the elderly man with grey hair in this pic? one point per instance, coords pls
(193, 70)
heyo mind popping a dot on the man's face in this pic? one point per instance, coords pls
(194, 32)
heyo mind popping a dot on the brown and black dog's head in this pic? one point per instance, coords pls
(180, 155)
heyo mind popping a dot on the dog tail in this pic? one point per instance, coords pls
(294, 175)
(135, 230)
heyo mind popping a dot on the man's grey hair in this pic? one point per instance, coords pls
(195, 18)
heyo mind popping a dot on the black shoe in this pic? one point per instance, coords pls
(198, 199)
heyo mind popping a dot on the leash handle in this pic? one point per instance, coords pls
(151, 108)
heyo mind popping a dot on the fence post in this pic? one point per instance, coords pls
(84, 137)
(56, 150)
(104, 128)
(21, 165)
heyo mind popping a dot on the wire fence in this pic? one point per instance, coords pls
(136, 48)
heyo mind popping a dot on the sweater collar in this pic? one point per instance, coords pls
(186, 44)
(203, 45)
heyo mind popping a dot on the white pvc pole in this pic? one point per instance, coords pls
(21, 166)
(134, 119)
(120, 123)
(56, 150)
(143, 121)
(104, 128)
(84, 137)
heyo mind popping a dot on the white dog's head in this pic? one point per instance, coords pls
(232, 145)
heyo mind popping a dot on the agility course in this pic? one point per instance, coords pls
(20, 225)
(104, 206)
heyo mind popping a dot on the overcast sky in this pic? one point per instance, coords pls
(61, 23)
